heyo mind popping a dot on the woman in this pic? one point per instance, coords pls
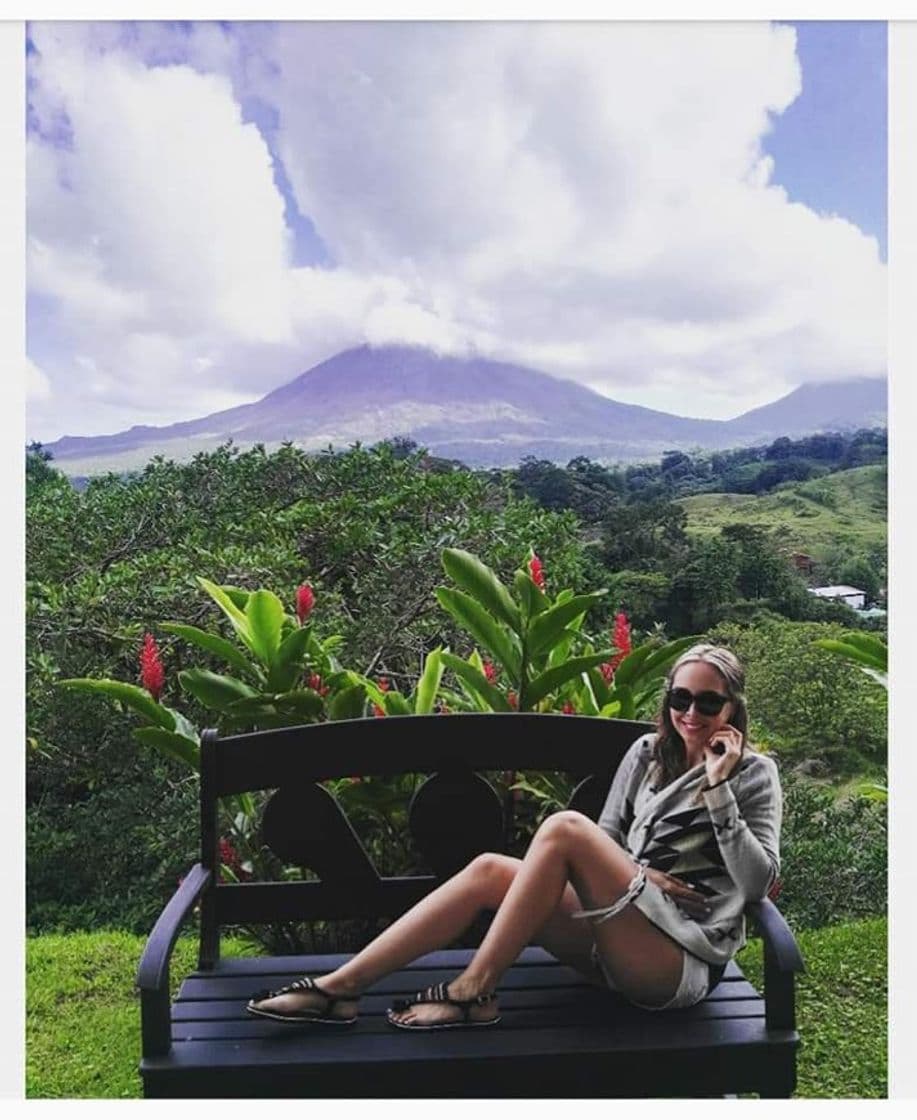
(649, 901)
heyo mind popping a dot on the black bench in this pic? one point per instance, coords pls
(559, 1036)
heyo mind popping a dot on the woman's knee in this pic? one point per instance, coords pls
(493, 873)
(564, 826)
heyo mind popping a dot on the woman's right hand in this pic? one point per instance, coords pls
(690, 900)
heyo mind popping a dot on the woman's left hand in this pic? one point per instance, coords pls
(722, 753)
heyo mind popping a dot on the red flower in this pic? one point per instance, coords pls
(620, 636)
(314, 681)
(490, 671)
(230, 857)
(536, 571)
(152, 674)
(378, 712)
(383, 683)
(568, 709)
(620, 639)
(512, 699)
(305, 601)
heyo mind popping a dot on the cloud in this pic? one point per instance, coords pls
(591, 199)
(37, 385)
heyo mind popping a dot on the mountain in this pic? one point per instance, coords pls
(835, 406)
(482, 412)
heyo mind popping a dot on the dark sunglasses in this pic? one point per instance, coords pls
(707, 703)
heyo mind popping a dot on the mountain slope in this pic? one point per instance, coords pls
(483, 412)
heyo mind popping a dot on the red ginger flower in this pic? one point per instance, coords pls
(568, 709)
(305, 601)
(378, 711)
(512, 699)
(490, 671)
(230, 857)
(620, 639)
(536, 571)
(383, 683)
(314, 681)
(152, 674)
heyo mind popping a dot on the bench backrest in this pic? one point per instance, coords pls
(453, 816)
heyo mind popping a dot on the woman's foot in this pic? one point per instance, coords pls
(322, 1000)
(445, 1005)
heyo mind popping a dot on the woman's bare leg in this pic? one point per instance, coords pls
(568, 849)
(541, 911)
(435, 921)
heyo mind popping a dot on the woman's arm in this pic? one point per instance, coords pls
(746, 822)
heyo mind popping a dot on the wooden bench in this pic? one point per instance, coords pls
(559, 1036)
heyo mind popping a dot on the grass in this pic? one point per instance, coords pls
(845, 508)
(83, 1018)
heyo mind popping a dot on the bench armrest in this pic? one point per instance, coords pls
(153, 971)
(782, 960)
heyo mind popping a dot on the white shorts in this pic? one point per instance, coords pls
(697, 980)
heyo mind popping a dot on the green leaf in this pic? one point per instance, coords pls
(873, 654)
(264, 613)
(529, 594)
(483, 627)
(549, 626)
(477, 682)
(288, 662)
(611, 710)
(213, 643)
(170, 744)
(227, 605)
(349, 703)
(396, 704)
(131, 695)
(428, 685)
(552, 679)
(238, 595)
(624, 695)
(599, 685)
(213, 689)
(661, 660)
(482, 584)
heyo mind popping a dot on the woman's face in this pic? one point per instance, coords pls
(695, 728)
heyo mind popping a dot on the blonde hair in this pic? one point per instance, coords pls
(669, 751)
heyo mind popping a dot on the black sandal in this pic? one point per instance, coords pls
(439, 993)
(306, 1014)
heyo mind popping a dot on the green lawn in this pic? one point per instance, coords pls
(845, 508)
(83, 1019)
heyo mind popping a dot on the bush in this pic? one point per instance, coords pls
(834, 855)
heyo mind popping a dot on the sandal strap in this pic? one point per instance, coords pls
(304, 984)
(439, 993)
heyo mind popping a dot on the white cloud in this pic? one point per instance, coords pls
(37, 385)
(591, 199)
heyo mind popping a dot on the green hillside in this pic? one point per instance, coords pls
(848, 508)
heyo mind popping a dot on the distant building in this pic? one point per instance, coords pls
(852, 596)
(803, 562)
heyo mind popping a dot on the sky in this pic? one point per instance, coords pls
(687, 216)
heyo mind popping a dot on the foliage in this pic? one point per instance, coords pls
(807, 703)
(865, 650)
(834, 854)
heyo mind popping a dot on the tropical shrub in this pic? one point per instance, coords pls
(834, 855)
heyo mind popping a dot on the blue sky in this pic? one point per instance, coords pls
(213, 208)
(831, 145)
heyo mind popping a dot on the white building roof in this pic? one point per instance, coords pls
(836, 592)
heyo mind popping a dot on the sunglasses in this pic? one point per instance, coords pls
(707, 703)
